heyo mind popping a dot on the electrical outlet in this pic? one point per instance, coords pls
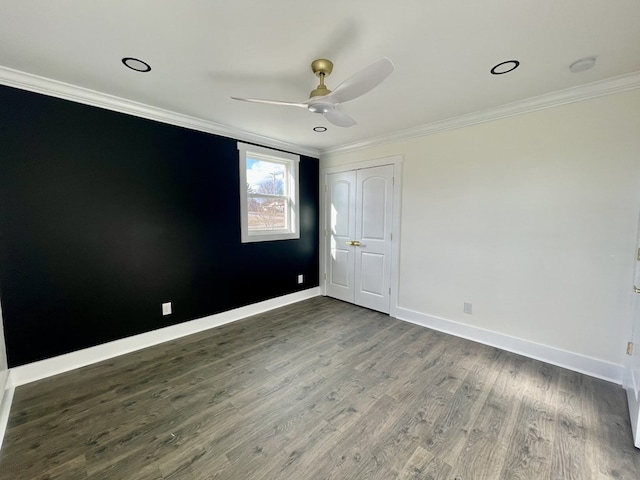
(300, 278)
(166, 308)
(467, 308)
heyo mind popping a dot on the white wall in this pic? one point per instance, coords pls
(532, 219)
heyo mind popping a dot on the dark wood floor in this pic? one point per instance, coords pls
(319, 390)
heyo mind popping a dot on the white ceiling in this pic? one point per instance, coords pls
(202, 52)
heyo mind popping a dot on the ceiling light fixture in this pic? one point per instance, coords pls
(505, 67)
(135, 64)
(583, 64)
(319, 129)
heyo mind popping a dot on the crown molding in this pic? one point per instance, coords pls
(580, 93)
(66, 91)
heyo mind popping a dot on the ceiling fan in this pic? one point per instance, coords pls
(324, 101)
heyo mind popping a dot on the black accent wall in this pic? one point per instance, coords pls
(105, 216)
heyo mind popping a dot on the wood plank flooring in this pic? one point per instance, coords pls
(319, 390)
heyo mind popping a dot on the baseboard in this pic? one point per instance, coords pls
(81, 358)
(555, 356)
(63, 363)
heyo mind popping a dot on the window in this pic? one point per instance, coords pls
(268, 194)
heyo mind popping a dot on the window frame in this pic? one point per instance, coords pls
(291, 162)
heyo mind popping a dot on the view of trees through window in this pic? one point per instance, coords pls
(267, 200)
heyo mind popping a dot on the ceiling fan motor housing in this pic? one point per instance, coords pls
(321, 91)
(320, 107)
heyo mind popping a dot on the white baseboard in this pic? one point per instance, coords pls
(555, 356)
(63, 363)
(81, 358)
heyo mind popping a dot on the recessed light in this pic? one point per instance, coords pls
(319, 129)
(135, 64)
(583, 64)
(505, 67)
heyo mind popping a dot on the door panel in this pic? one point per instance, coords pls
(341, 197)
(372, 274)
(340, 271)
(341, 203)
(373, 216)
(359, 209)
(374, 202)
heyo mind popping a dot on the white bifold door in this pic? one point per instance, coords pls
(359, 206)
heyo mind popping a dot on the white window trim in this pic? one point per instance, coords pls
(293, 182)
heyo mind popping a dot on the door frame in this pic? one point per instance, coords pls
(396, 161)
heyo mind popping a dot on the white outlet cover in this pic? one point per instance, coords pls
(166, 308)
(300, 278)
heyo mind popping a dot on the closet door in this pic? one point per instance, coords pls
(341, 208)
(359, 209)
(372, 249)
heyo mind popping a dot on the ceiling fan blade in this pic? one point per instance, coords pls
(339, 118)
(362, 82)
(271, 102)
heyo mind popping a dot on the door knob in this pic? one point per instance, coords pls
(636, 289)
(353, 243)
